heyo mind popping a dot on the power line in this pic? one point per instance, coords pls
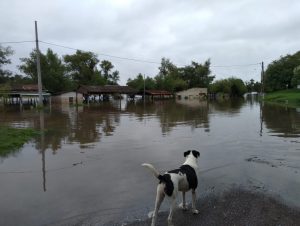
(103, 54)
(16, 42)
(236, 65)
(128, 58)
(146, 61)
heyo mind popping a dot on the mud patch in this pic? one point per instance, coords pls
(262, 161)
(235, 207)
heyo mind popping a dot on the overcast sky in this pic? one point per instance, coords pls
(232, 32)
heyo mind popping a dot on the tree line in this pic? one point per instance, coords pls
(283, 73)
(66, 73)
(60, 74)
(174, 79)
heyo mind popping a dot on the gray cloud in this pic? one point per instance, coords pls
(228, 32)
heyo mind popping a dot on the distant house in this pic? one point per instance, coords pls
(298, 86)
(105, 90)
(23, 94)
(156, 94)
(98, 93)
(67, 98)
(193, 93)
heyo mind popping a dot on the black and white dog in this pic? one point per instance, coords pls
(174, 181)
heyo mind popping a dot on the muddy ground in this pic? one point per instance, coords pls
(235, 207)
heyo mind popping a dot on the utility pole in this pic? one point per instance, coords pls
(144, 88)
(38, 64)
(262, 78)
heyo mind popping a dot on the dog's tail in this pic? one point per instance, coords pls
(152, 169)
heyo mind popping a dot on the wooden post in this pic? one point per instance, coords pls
(38, 65)
(262, 77)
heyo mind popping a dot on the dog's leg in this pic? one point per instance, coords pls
(159, 198)
(173, 204)
(194, 210)
(183, 204)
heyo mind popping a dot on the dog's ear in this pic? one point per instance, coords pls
(186, 153)
(196, 153)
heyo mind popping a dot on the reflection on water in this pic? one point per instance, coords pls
(87, 158)
(87, 125)
(282, 121)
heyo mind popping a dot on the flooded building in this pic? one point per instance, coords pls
(156, 94)
(193, 93)
(100, 93)
(67, 98)
(23, 94)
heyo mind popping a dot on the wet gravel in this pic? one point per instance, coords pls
(234, 207)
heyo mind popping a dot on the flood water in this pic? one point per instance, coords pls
(85, 167)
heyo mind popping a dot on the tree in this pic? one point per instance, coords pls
(197, 75)
(250, 85)
(4, 54)
(138, 83)
(174, 79)
(169, 78)
(111, 78)
(167, 67)
(253, 86)
(235, 87)
(82, 67)
(296, 77)
(53, 71)
(20, 79)
(280, 72)
(114, 78)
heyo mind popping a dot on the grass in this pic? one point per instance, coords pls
(12, 139)
(290, 97)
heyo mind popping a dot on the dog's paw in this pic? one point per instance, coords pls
(183, 207)
(195, 211)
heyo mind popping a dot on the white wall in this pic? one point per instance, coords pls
(192, 93)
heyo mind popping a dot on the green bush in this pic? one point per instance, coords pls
(12, 139)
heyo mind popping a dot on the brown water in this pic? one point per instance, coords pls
(85, 169)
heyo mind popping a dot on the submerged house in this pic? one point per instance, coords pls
(27, 94)
(156, 94)
(193, 93)
(67, 98)
(103, 92)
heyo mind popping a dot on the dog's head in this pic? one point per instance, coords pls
(193, 153)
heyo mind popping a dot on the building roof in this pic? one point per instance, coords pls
(24, 88)
(195, 89)
(108, 89)
(156, 92)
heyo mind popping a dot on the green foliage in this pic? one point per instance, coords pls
(4, 54)
(76, 69)
(296, 77)
(174, 79)
(138, 83)
(53, 71)
(253, 86)
(110, 77)
(279, 73)
(11, 139)
(169, 77)
(82, 67)
(289, 97)
(3, 89)
(197, 75)
(233, 86)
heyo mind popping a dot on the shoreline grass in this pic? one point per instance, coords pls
(289, 98)
(12, 139)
